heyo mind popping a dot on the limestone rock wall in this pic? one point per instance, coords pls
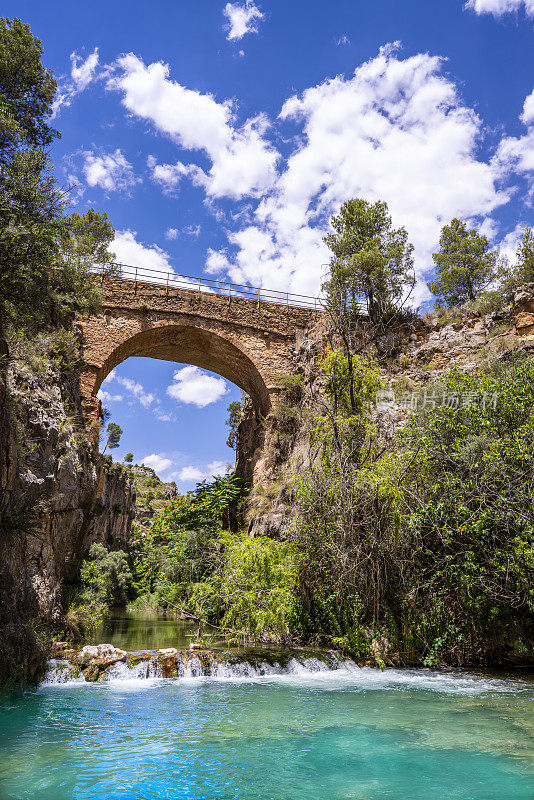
(57, 497)
(433, 345)
(22, 656)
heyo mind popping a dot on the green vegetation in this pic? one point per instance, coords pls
(474, 276)
(372, 263)
(150, 492)
(114, 433)
(371, 273)
(426, 545)
(45, 254)
(230, 582)
(235, 410)
(105, 580)
(523, 269)
(466, 265)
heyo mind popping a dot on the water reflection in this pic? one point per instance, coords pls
(139, 631)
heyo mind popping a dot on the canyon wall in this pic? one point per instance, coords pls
(58, 496)
(418, 355)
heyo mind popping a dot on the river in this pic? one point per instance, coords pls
(303, 733)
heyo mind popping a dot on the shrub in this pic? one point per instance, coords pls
(105, 576)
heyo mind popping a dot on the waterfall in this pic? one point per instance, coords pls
(187, 666)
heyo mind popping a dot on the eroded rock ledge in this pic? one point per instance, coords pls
(103, 662)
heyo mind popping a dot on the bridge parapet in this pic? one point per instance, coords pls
(250, 342)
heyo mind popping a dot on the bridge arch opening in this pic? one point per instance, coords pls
(188, 344)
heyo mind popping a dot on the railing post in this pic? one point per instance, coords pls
(259, 296)
(199, 285)
(287, 301)
(135, 279)
(167, 287)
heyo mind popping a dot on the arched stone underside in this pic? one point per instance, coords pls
(190, 344)
(251, 344)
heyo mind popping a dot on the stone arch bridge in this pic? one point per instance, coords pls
(250, 342)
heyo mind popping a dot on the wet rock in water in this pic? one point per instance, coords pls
(103, 662)
(93, 652)
(95, 659)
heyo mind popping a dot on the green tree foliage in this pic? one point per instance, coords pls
(473, 523)
(31, 211)
(523, 270)
(253, 592)
(105, 580)
(36, 236)
(216, 496)
(372, 263)
(525, 255)
(371, 277)
(27, 90)
(342, 526)
(234, 418)
(105, 576)
(466, 265)
(128, 458)
(427, 543)
(114, 433)
(83, 243)
(243, 584)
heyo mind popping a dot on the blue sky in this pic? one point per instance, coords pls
(220, 137)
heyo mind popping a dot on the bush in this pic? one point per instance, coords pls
(428, 545)
(253, 593)
(105, 576)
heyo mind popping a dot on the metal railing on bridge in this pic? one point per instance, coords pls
(172, 280)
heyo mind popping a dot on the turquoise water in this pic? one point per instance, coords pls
(361, 734)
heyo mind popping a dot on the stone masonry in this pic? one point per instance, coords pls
(250, 343)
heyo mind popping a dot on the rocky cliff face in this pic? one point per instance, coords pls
(461, 338)
(58, 497)
(151, 493)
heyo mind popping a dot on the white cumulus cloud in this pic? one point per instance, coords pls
(242, 160)
(157, 461)
(82, 73)
(110, 171)
(396, 130)
(218, 468)
(168, 176)
(515, 155)
(107, 397)
(134, 388)
(500, 7)
(528, 110)
(242, 18)
(190, 474)
(128, 250)
(192, 230)
(193, 385)
(172, 233)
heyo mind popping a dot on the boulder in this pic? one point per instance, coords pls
(103, 654)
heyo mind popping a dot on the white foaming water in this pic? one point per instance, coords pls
(334, 673)
(59, 671)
